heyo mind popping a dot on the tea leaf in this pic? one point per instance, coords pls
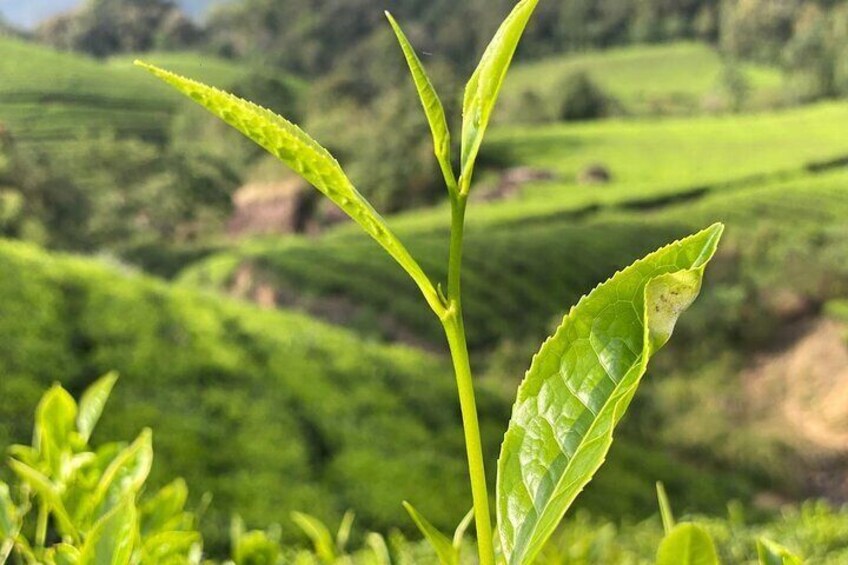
(8, 514)
(55, 419)
(91, 404)
(125, 475)
(580, 384)
(166, 509)
(772, 553)
(306, 157)
(345, 527)
(321, 538)
(459, 533)
(445, 550)
(111, 540)
(47, 490)
(483, 88)
(63, 554)
(169, 547)
(687, 544)
(377, 544)
(433, 108)
(665, 509)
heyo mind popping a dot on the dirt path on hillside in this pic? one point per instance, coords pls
(801, 394)
(807, 385)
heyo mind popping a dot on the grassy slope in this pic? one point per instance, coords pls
(787, 235)
(199, 66)
(50, 96)
(527, 259)
(649, 159)
(272, 411)
(269, 411)
(46, 95)
(645, 79)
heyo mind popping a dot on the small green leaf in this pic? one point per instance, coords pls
(321, 538)
(445, 550)
(63, 554)
(25, 453)
(772, 553)
(10, 522)
(169, 547)
(343, 535)
(91, 404)
(433, 108)
(581, 382)
(55, 419)
(125, 475)
(8, 514)
(237, 529)
(459, 533)
(481, 92)
(165, 510)
(665, 509)
(378, 546)
(306, 157)
(111, 540)
(47, 490)
(687, 544)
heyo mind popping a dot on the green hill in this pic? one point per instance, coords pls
(674, 78)
(268, 411)
(784, 255)
(530, 257)
(655, 159)
(56, 96)
(271, 411)
(777, 180)
(519, 275)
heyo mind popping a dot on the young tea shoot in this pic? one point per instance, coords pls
(583, 378)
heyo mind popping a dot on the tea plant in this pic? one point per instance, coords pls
(583, 378)
(72, 504)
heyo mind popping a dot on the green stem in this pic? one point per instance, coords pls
(41, 526)
(6, 549)
(455, 332)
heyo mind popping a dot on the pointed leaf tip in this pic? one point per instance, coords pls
(306, 157)
(432, 104)
(445, 550)
(581, 382)
(687, 544)
(483, 88)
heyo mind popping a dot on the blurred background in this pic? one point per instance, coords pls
(286, 364)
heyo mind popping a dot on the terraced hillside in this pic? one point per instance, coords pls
(675, 78)
(269, 411)
(532, 256)
(272, 411)
(778, 181)
(55, 96)
(648, 160)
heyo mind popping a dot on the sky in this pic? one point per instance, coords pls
(27, 13)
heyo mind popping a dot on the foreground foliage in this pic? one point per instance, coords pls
(96, 507)
(89, 500)
(270, 411)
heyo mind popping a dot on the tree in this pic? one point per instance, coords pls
(105, 27)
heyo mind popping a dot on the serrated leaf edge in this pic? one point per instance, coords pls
(699, 263)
